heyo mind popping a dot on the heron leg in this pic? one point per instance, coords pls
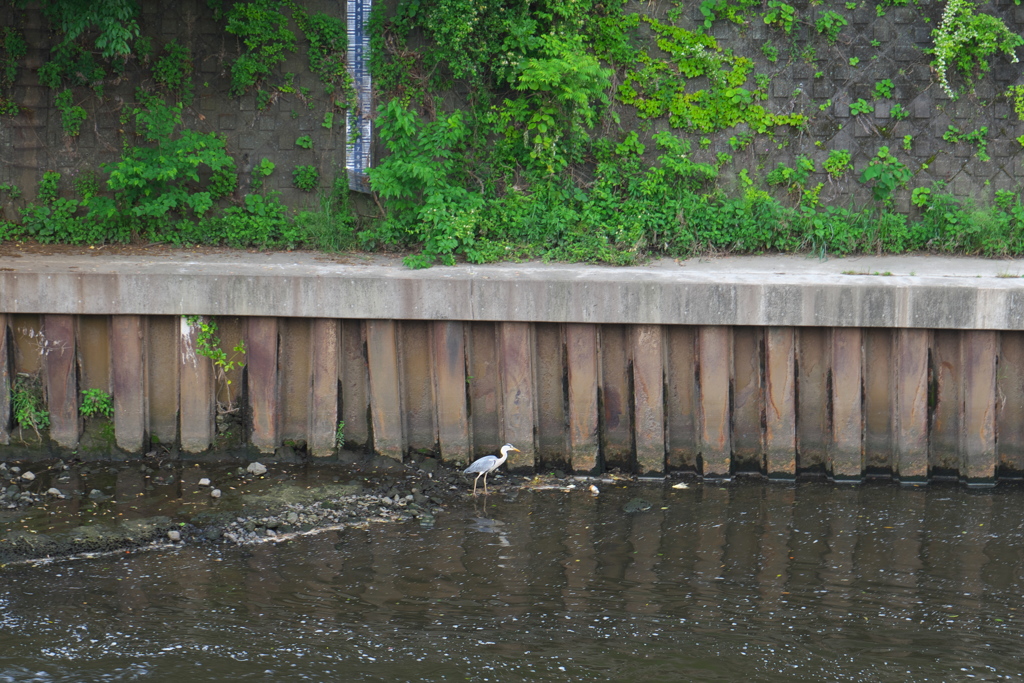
(485, 482)
(476, 480)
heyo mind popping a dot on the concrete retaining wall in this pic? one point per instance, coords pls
(711, 368)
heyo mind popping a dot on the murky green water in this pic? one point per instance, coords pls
(713, 583)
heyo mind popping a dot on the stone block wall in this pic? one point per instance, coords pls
(810, 77)
(34, 141)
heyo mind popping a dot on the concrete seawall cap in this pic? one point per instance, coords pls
(907, 291)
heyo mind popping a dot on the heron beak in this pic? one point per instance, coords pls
(516, 449)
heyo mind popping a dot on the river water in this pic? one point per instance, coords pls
(742, 581)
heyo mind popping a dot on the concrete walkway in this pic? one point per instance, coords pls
(793, 290)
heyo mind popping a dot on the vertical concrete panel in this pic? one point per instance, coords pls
(582, 359)
(947, 417)
(231, 331)
(27, 347)
(912, 404)
(980, 350)
(715, 349)
(129, 380)
(484, 383)
(58, 349)
(879, 399)
(162, 377)
(616, 417)
(780, 402)
(5, 381)
(355, 383)
(94, 351)
(549, 364)
(681, 403)
(385, 392)
(197, 403)
(449, 347)
(847, 421)
(263, 383)
(417, 385)
(295, 379)
(324, 417)
(748, 400)
(648, 398)
(515, 349)
(812, 431)
(1010, 402)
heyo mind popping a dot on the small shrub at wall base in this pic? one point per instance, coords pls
(27, 404)
(96, 402)
(306, 178)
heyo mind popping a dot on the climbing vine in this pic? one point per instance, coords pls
(966, 41)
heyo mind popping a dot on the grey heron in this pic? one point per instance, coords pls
(487, 464)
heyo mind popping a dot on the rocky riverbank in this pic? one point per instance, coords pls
(62, 509)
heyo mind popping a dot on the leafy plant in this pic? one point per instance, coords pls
(96, 402)
(332, 228)
(12, 48)
(70, 65)
(306, 178)
(113, 24)
(885, 173)
(921, 197)
(908, 142)
(780, 15)
(830, 24)
(208, 346)
(151, 181)
(1015, 93)
(838, 163)
(883, 89)
(770, 52)
(966, 41)
(260, 171)
(27, 404)
(71, 115)
(898, 112)
(861, 106)
(264, 32)
(305, 142)
(52, 217)
(723, 102)
(339, 435)
(174, 69)
(793, 178)
(723, 9)
(328, 42)
(741, 141)
(978, 137)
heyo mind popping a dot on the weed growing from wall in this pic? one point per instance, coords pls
(208, 345)
(27, 404)
(306, 178)
(96, 402)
